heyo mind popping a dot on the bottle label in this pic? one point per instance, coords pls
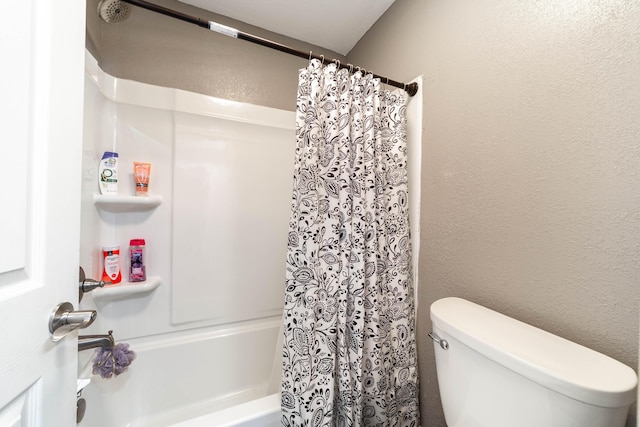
(108, 175)
(137, 271)
(111, 271)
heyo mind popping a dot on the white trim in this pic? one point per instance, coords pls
(414, 146)
(170, 99)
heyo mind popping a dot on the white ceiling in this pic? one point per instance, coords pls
(333, 24)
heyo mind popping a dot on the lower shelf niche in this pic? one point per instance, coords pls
(126, 290)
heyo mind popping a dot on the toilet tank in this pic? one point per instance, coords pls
(499, 372)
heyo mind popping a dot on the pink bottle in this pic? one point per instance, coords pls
(137, 269)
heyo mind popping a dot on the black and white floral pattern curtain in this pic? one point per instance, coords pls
(349, 341)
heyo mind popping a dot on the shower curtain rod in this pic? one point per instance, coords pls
(410, 88)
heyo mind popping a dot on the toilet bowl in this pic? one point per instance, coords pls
(495, 371)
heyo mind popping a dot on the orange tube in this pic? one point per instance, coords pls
(141, 173)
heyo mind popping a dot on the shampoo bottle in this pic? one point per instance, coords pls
(111, 263)
(137, 269)
(108, 173)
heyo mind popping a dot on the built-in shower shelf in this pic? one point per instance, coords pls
(126, 203)
(126, 290)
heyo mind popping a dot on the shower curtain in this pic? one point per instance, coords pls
(349, 354)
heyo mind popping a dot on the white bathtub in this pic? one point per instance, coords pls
(263, 412)
(186, 380)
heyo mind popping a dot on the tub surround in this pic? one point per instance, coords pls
(207, 153)
(205, 323)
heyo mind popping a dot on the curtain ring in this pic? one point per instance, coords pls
(322, 56)
(310, 55)
(335, 61)
(350, 68)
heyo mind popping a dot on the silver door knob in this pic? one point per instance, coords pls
(64, 320)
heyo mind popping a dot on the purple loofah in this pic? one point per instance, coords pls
(113, 361)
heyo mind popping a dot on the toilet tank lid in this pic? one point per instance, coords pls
(554, 362)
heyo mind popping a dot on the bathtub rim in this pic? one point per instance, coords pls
(245, 412)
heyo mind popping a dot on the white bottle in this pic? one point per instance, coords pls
(108, 173)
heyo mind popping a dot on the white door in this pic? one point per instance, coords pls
(41, 95)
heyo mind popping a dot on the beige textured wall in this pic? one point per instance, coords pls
(156, 49)
(531, 162)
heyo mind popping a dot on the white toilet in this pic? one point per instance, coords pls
(495, 371)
